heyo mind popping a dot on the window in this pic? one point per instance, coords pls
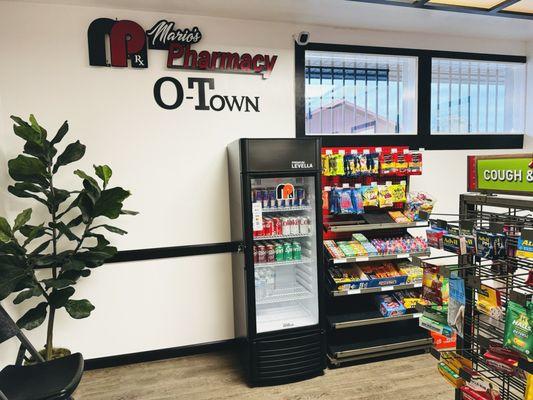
(469, 96)
(378, 96)
(347, 94)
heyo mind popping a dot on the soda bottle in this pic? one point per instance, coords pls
(279, 252)
(287, 251)
(296, 251)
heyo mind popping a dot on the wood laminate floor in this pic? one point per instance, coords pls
(217, 376)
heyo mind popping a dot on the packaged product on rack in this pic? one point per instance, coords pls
(415, 164)
(399, 217)
(441, 342)
(326, 171)
(370, 196)
(345, 201)
(390, 306)
(372, 163)
(398, 192)
(435, 237)
(502, 360)
(489, 302)
(479, 388)
(348, 277)
(336, 164)
(333, 249)
(490, 245)
(351, 165)
(518, 324)
(435, 286)
(387, 164)
(414, 273)
(456, 304)
(401, 164)
(416, 202)
(409, 298)
(385, 196)
(451, 365)
(524, 248)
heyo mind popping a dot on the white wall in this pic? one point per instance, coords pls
(173, 161)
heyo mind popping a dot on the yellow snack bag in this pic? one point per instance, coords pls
(398, 193)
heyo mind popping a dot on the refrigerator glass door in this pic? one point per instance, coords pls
(285, 259)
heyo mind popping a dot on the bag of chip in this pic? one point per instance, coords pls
(370, 196)
(385, 196)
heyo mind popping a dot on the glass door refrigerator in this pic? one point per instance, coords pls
(275, 213)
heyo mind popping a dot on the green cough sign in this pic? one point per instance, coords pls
(512, 174)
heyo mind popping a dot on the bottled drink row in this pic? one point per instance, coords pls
(269, 199)
(284, 226)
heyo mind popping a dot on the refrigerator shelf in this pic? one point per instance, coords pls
(300, 235)
(285, 209)
(343, 321)
(286, 294)
(350, 227)
(304, 260)
(273, 319)
(378, 257)
(336, 293)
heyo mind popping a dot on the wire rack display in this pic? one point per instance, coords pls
(508, 275)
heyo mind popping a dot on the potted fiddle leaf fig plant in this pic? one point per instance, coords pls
(68, 242)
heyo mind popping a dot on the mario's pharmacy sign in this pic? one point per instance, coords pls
(510, 174)
(129, 44)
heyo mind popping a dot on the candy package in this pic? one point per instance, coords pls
(387, 164)
(326, 171)
(401, 164)
(372, 163)
(456, 305)
(399, 217)
(336, 164)
(370, 196)
(416, 202)
(398, 193)
(518, 323)
(390, 306)
(351, 165)
(435, 287)
(415, 164)
(325, 200)
(385, 196)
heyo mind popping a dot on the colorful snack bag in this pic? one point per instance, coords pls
(401, 164)
(336, 164)
(518, 323)
(386, 164)
(415, 164)
(357, 201)
(370, 196)
(351, 167)
(398, 193)
(363, 164)
(385, 196)
(326, 171)
(346, 203)
(334, 201)
(372, 162)
(325, 199)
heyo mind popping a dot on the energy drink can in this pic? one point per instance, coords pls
(270, 253)
(295, 225)
(261, 253)
(264, 198)
(300, 196)
(280, 253)
(272, 198)
(257, 196)
(296, 251)
(285, 226)
(287, 251)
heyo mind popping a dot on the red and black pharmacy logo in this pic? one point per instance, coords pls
(285, 191)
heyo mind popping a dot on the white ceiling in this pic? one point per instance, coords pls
(336, 13)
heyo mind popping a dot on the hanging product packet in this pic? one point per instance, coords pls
(386, 164)
(385, 196)
(370, 196)
(401, 164)
(398, 193)
(372, 162)
(351, 168)
(518, 323)
(334, 201)
(456, 304)
(336, 164)
(326, 171)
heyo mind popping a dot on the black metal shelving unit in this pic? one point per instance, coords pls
(507, 275)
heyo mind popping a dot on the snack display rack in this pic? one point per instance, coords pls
(356, 329)
(485, 343)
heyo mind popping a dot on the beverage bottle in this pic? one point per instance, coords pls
(270, 279)
(261, 290)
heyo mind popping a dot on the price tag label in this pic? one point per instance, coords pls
(342, 152)
(387, 288)
(362, 258)
(378, 149)
(345, 185)
(394, 151)
(353, 151)
(257, 216)
(405, 151)
(373, 184)
(403, 255)
(329, 151)
(357, 185)
(366, 151)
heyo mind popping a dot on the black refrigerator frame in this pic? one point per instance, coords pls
(271, 351)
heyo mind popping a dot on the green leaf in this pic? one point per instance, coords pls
(110, 202)
(30, 187)
(79, 309)
(74, 275)
(96, 257)
(70, 207)
(34, 317)
(58, 298)
(32, 231)
(59, 283)
(86, 207)
(5, 231)
(43, 246)
(24, 194)
(83, 175)
(103, 172)
(27, 132)
(21, 219)
(28, 169)
(64, 230)
(12, 248)
(11, 276)
(73, 265)
(128, 212)
(91, 191)
(27, 294)
(48, 260)
(102, 242)
(75, 222)
(111, 228)
(73, 152)
(36, 127)
(60, 134)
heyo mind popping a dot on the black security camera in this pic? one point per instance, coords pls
(302, 38)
